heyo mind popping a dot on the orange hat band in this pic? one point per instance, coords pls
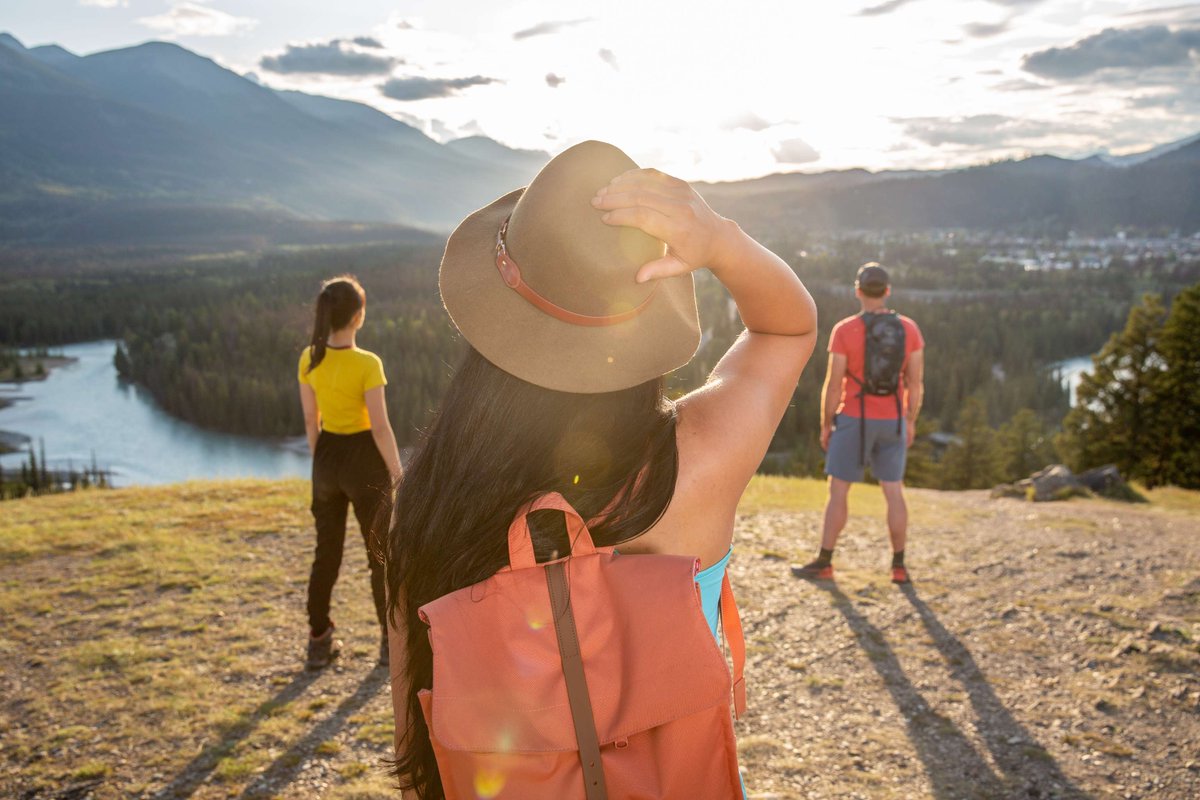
(511, 275)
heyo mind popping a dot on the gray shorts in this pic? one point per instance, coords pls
(885, 450)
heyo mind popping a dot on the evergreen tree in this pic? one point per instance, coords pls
(1116, 418)
(121, 361)
(1024, 446)
(973, 462)
(920, 469)
(33, 479)
(45, 479)
(1179, 390)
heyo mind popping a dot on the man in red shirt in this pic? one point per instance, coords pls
(860, 428)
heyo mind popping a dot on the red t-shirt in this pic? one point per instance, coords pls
(849, 339)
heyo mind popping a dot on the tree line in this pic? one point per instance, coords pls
(36, 477)
(216, 342)
(1139, 407)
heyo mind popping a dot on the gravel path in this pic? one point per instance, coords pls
(1043, 650)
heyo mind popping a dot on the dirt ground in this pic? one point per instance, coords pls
(1043, 651)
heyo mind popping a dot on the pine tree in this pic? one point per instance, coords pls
(1024, 446)
(1116, 418)
(32, 479)
(1179, 390)
(45, 479)
(973, 462)
(920, 469)
(121, 361)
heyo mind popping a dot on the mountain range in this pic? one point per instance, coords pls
(159, 124)
(155, 140)
(1040, 195)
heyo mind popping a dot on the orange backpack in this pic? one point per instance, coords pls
(594, 676)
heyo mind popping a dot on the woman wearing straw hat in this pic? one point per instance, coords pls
(576, 298)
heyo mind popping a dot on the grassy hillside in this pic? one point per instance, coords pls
(151, 644)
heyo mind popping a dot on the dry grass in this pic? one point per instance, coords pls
(166, 626)
(150, 641)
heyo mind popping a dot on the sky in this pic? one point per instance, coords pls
(706, 90)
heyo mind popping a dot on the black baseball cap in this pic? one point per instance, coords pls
(872, 279)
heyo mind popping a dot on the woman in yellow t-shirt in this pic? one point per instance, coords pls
(355, 460)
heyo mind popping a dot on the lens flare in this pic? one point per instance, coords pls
(488, 784)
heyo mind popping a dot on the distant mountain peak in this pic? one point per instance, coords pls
(8, 40)
(52, 54)
(1131, 159)
(487, 149)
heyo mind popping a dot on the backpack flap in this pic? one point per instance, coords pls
(884, 353)
(648, 654)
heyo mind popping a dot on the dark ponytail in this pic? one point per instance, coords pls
(340, 300)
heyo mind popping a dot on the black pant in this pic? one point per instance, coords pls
(346, 469)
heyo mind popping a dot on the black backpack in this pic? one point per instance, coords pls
(883, 361)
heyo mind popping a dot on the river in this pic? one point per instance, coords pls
(1069, 371)
(84, 408)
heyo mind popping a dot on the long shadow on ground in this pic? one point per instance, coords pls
(954, 767)
(1023, 762)
(191, 777)
(284, 769)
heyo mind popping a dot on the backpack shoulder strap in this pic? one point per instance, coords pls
(731, 624)
(586, 737)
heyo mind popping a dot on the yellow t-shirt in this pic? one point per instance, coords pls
(340, 381)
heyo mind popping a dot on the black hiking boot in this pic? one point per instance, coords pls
(322, 649)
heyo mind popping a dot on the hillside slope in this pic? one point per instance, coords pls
(1041, 194)
(157, 122)
(150, 645)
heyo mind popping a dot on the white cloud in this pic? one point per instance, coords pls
(795, 151)
(193, 19)
(880, 91)
(105, 3)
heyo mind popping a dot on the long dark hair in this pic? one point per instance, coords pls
(340, 300)
(496, 443)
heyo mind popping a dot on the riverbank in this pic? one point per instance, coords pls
(12, 442)
(31, 368)
(85, 413)
(23, 369)
(151, 642)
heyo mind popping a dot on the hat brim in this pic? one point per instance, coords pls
(523, 341)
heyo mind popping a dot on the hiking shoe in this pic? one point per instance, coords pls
(814, 571)
(900, 575)
(322, 649)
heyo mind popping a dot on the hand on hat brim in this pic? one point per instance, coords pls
(667, 209)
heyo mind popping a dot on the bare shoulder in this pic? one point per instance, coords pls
(699, 520)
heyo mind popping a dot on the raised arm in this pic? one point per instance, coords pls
(725, 426)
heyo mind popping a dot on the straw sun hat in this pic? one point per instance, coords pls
(545, 291)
